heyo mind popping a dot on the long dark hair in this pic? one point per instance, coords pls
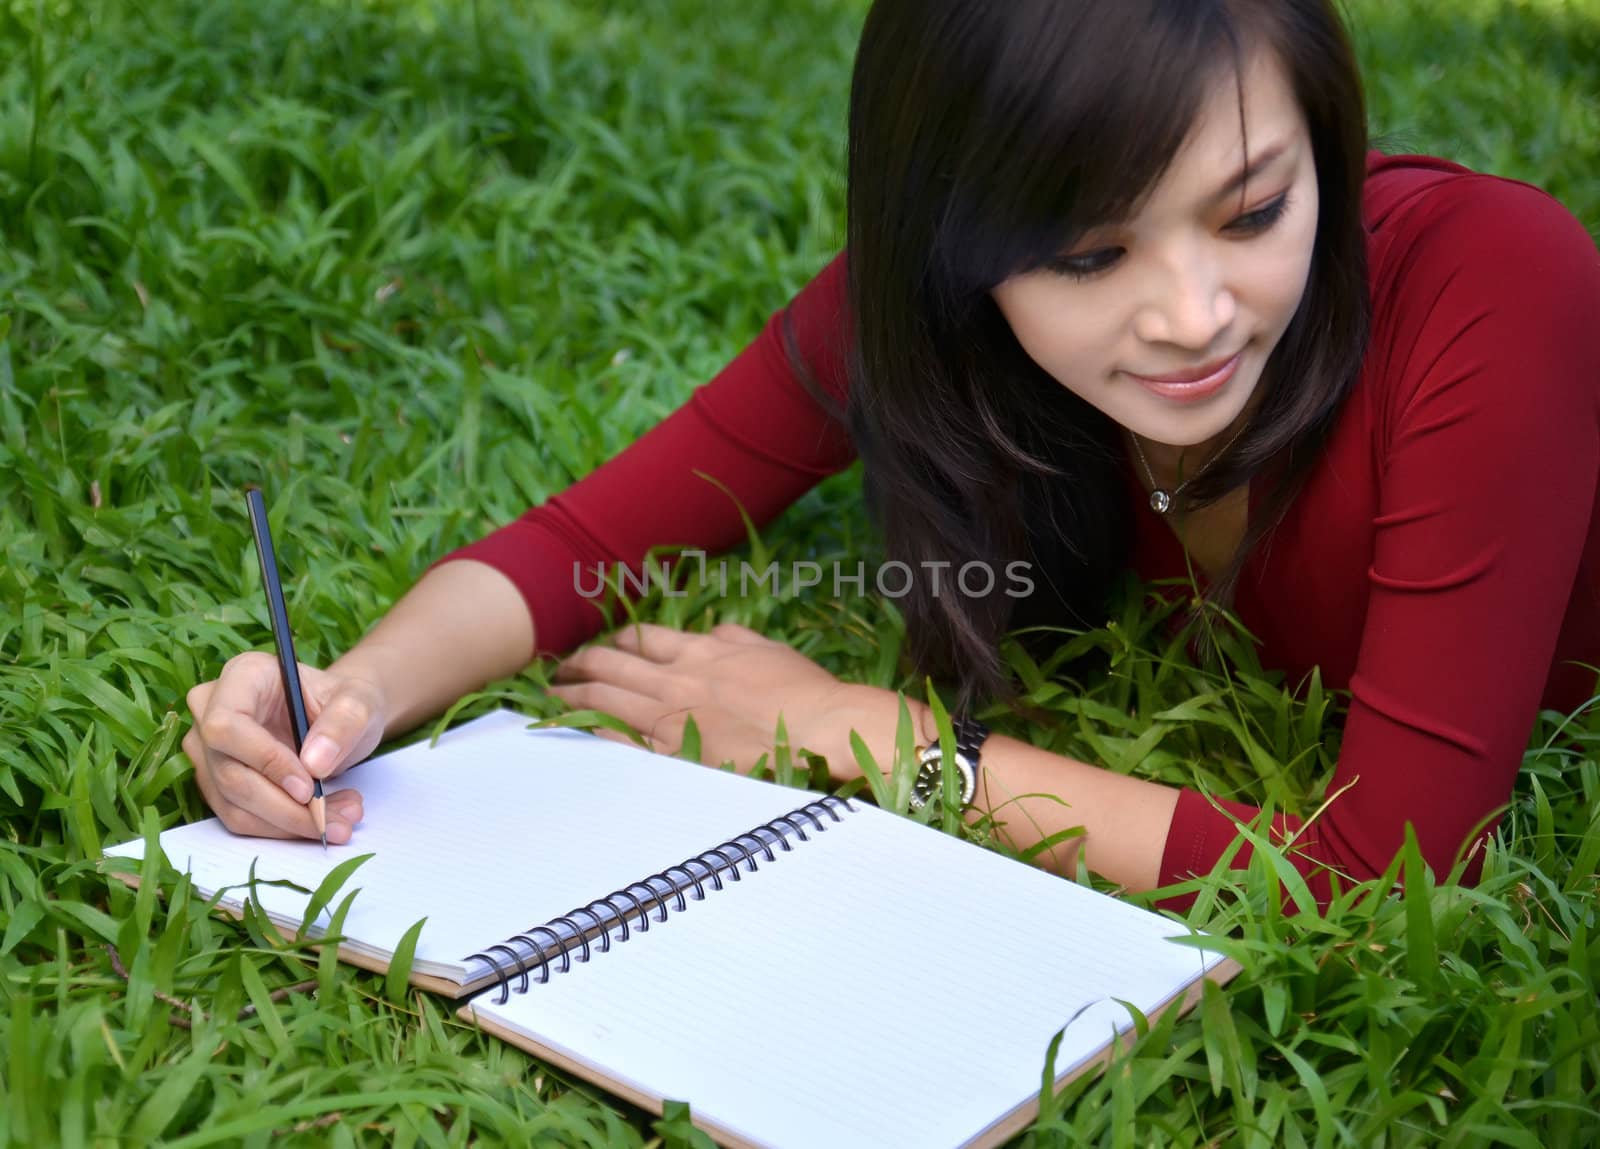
(984, 138)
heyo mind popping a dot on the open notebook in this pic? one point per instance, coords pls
(799, 969)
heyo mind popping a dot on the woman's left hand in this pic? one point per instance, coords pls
(733, 680)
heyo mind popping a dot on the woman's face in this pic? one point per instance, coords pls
(1195, 278)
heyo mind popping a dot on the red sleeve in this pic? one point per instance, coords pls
(1489, 449)
(754, 428)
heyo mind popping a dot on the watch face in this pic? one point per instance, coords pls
(930, 778)
(926, 783)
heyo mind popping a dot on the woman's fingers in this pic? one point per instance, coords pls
(343, 815)
(662, 644)
(653, 642)
(622, 668)
(733, 632)
(637, 710)
(268, 816)
(231, 727)
(622, 739)
(247, 803)
(344, 810)
(246, 768)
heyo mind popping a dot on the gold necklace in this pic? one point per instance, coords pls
(1160, 498)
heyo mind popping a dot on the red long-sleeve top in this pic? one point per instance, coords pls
(1442, 562)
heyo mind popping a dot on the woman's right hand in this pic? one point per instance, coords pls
(243, 750)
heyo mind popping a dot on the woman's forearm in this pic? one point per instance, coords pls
(1032, 794)
(462, 625)
(1125, 819)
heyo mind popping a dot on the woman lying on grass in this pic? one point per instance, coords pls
(1125, 289)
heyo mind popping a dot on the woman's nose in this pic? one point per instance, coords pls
(1190, 307)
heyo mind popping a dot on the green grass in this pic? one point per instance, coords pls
(414, 266)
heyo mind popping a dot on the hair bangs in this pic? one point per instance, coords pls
(1059, 141)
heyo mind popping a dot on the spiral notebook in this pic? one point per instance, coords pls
(800, 969)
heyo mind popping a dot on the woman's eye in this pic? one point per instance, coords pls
(1094, 263)
(1084, 266)
(1263, 217)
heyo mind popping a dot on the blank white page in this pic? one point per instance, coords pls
(945, 971)
(496, 829)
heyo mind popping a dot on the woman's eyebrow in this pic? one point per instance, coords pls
(1255, 167)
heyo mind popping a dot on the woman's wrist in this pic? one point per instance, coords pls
(462, 625)
(871, 712)
(1025, 789)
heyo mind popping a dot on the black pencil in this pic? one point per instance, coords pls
(284, 641)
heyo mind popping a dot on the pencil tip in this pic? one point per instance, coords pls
(319, 818)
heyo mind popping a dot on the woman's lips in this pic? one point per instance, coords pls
(1191, 385)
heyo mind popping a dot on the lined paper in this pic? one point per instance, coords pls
(946, 970)
(881, 984)
(496, 829)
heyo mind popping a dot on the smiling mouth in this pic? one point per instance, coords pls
(1194, 390)
(1194, 375)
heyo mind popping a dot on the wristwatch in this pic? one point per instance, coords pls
(969, 733)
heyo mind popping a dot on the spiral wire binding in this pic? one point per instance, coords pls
(525, 953)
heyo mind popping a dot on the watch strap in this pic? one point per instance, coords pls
(970, 735)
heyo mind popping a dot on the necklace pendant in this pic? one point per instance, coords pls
(1160, 501)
